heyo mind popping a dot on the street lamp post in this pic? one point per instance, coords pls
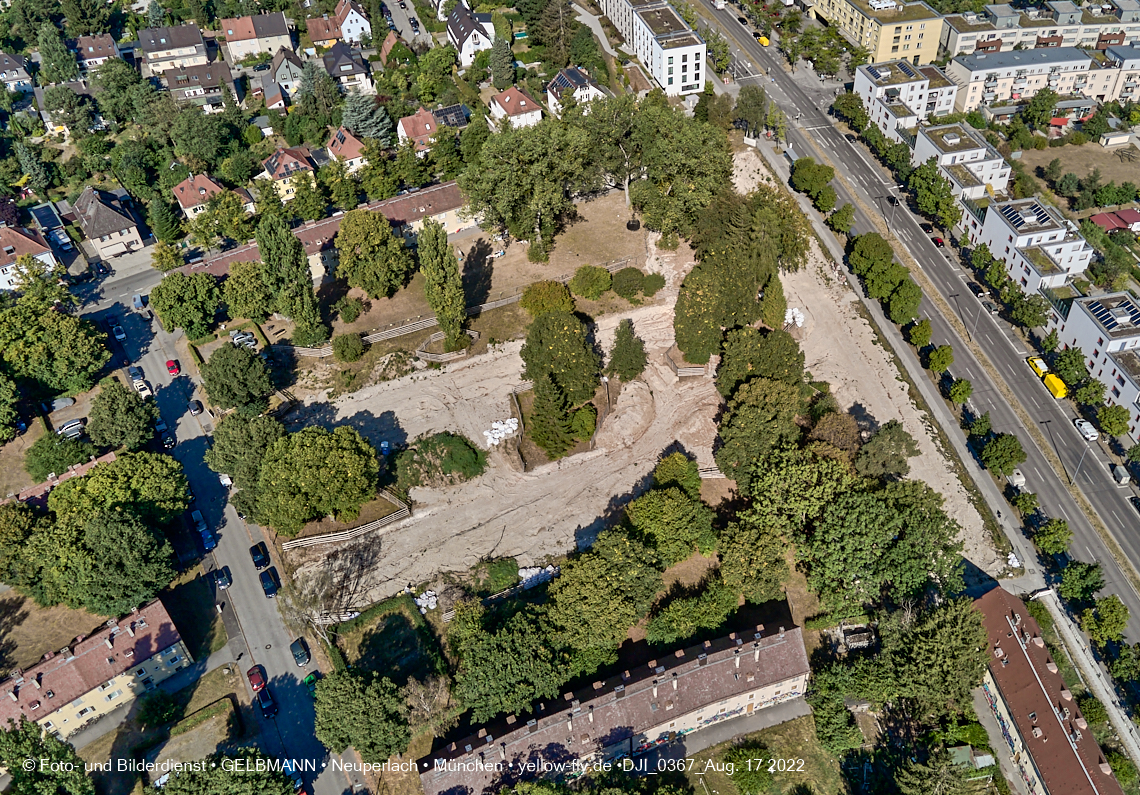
(975, 329)
(1078, 472)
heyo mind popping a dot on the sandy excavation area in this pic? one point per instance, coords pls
(551, 510)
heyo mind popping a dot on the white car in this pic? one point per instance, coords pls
(143, 389)
(1086, 429)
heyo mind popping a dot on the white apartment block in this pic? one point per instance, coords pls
(898, 95)
(1107, 329)
(1040, 248)
(1059, 23)
(973, 167)
(672, 53)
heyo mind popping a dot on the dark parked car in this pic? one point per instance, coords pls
(269, 582)
(256, 676)
(195, 408)
(894, 200)
(168, 441)
(266, 702)
(978, 290)
(300, 651)
(223, 578)
(927, 228)
(742, 21)
(261, 67)
(260, 555)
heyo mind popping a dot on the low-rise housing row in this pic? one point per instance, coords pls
(255, 35)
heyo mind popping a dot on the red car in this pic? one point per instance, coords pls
(256, 676)
(172, 367)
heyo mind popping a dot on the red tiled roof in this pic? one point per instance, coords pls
(345, 146)
(1108, 222)
(88, 663)
(21, 242)
(420, 127)
(37, 493)
(254, 27)
(1128, 216)
(323, 28)
(196, 189)
(515, 102)
(286, 162)
(1030, 685)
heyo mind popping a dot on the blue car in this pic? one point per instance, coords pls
(209, 540)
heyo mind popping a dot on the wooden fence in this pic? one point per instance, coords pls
(710, 473)
(685, 372)
(427, 356)
(402, 511)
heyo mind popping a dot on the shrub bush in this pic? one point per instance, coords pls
(590, 282)
(439, 460)
(349, 309)
(653, 282)
(548, 296)
(584, 422)
(307, 337)
(628, 283)
(348, 347)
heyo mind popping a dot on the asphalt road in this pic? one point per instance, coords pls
(264, 639)
(807, 117)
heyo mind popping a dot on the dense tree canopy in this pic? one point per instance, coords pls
(371, 257)
(127, 564)
(673, 523)
(254, 774)
(120, 417)
(557, 345)
(236, 376)
(62, 771)
(152, 486)
(56, 352)
(761, 415)
(364, 710)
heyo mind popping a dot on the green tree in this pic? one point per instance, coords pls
(1106, 621)
(363, 116)
(286, 268)
(187, 302)
(749, 353)
(920, 334)
(904, 302)
(1029, 311)
(9, 396)
(358, 708)
(1039, 110)
(677, 469)
(1003, 454)
(348, 347)
(1090, 393)
(850, 108)
(151, 486)
(773, 304)
(1053, 537)
(56, 351)
(33, 167)
(751, 108)
(759, 416)
(314, 473)
(240, 445)
(960, 391)
(869, 252)
(165, 257)
(158, 708)
(120, 417)
(940, 359)
(371, 257)
(549, 425)
(1113, 420)
(673, 523)
(752, 560)
(842, 219)
(886, 452)
(1069, 364)
(309, 199)
(557, 345)
(343, 188)
(590, 282)
(236, 376)
(684, 616)
(129, 563)
(162, 221)
(58, 770)
(57, 63)
(248, 772)
(604, 591)
(938, 774)
(980, 427)
(627, 357)
(502, 64)
(245, 293)
(1080, 580)
(54, 453)
(72, 110)
(443, 285)
(1054, 170)
(811, 177)
(546, 296)
(933, 194)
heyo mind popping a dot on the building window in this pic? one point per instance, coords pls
(113, 696)
(670, 81)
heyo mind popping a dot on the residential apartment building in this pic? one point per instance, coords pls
(899, 95)
(630, 713)
(999, 77)
(344, 147)
(346, 66)
(92, 52)
(973, 167)
(254, 35)
(347, 23)
(885, 28)
(671, 52)
(571, 82)
(171, 48)
(96, 674)
(1057, 23)
(1039, 247)
(469, 33)
(285, 166)
(16, 243)
(205, 86)
(516, 108)
(1047, 738)
(14, 73)
(107, 223)
(1107, 329)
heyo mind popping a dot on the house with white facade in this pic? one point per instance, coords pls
(1055, 23)
(346, 148)
(285, 70)
(1107, 330)
(14, 73)
(346, 66)
(92, 52)
(16, 243)
(965, 158)
(998, 77)
(572, 82)
(671, 52)
(107, 223)
(899, 95)
(1040, 248)
(420, 127)
(348, 23)
(206, 86)
(193, 195)
(469, 33)
(254, 35)
(171, 48)
(516, 108)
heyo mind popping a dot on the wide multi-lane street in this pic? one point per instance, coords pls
(811, 132)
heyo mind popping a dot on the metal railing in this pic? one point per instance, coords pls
(427, 356)
(402, 511)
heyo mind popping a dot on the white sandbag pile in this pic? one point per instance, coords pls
(501, 429)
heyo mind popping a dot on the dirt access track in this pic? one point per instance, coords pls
(553, 509)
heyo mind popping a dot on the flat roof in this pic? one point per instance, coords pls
(1047, 56)
(1117, 314)
(687, 39)
(663, 20)
(960, 24)
(944, 138)
(909, 12)
(936, 76)
(1062, 6)
(1002, 10)
(892, 73)
(962, 175)
(1129, 362)
(1040, 259)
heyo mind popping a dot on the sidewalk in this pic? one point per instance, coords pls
(595, 25)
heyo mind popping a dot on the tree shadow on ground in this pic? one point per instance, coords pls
(478, 268)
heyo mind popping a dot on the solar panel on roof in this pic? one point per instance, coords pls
(905, 68)
(451, 116)
(874, 73)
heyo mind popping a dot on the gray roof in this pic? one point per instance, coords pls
(341, 55)
(270, 25)
(1127, 55)
(10, 62)
(1003, 11)
(461, 23)
(154, 39)
(1023, 58)
(286, 55)
(99, 214)
(1062, 6)
(571, 78)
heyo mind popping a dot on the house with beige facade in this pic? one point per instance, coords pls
(255, 35)
(171, 48)
(107, 223)
(887, 29)
(285, 166)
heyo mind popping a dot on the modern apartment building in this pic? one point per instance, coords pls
(887, 29)
(986, 78)
(630, 713)
(1045, 735)
(671, 52)
(1039, 247)
(96, 674)
(1107, 329)
(899, 95)
(1059, 23)
(973, 167)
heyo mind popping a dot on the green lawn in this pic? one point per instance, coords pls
(393, 639)
(190, 603)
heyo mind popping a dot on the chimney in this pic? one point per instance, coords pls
(1037, 731)
(131, 630)
(1065, 694)
(12, 695)
(1039, 641)
(36, 683)
(110, 645)
(1105, 768)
